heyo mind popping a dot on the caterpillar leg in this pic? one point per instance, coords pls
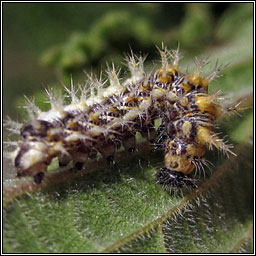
(38, 178)
(169, 178)
(79, 165)
(63, 160)
(180, 160)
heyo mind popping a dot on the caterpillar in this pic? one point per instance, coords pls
(101, 119)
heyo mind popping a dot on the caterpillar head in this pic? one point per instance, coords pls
(181, 155)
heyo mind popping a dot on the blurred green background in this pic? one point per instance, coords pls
(45, 43)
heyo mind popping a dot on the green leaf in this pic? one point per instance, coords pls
(122, 209)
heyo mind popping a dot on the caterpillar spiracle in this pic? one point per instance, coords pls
(101, 118)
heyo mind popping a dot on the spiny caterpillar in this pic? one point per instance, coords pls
(101, 119)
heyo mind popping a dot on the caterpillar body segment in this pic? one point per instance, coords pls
(102, 119)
